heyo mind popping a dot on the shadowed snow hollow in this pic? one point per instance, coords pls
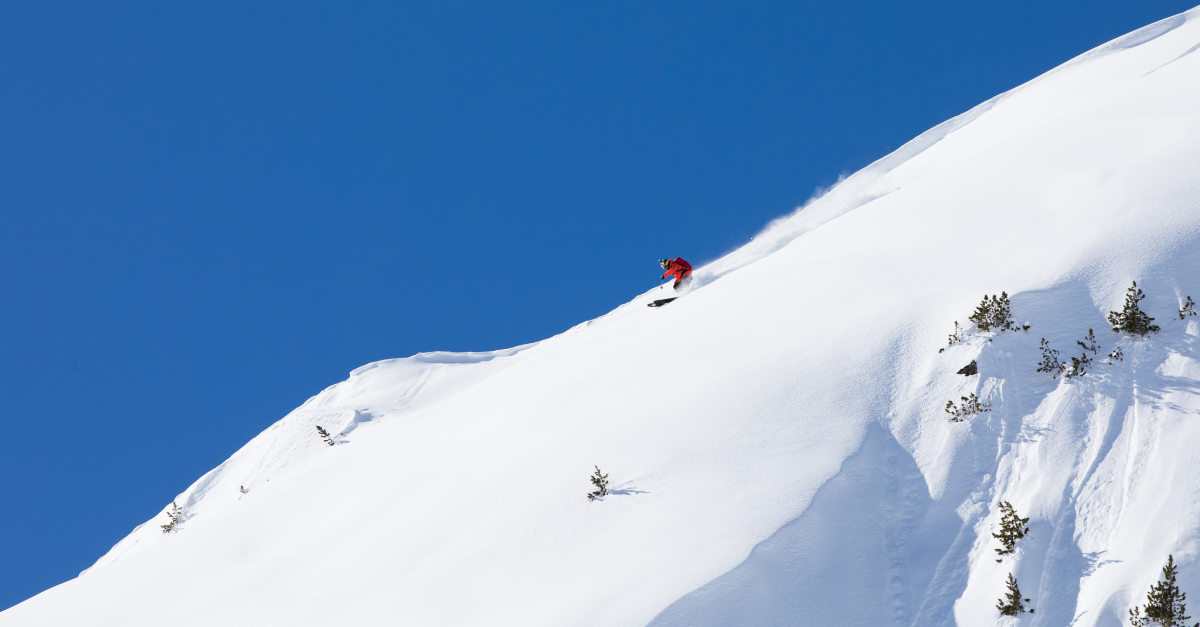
(775, 438)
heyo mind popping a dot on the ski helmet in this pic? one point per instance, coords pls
(665, 263)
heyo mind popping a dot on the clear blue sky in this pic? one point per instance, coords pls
(211, 211)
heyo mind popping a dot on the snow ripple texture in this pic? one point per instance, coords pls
(775, 439)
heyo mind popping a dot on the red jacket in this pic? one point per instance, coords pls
(679, 268)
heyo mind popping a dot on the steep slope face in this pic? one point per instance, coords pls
(775, 438)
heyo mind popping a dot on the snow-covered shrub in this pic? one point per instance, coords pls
(970, 407)
(1164, 603)
(1116, 354)
(1012, 528)
(994, 313)
(1188, 309)
(173, 516)
(1050, 362)
(1011, 604)
(601, 483)
(1131, 319)
(325, 437)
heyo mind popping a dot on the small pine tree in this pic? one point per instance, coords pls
(1079, 367)
(325, 437)
(1011, 604)
(970, 407)
(1188, 309)
(1116, 354)
(1050, 362)
(994, 313)
(958, 335)
(1091, 344)
(1012, 528)
(601, 483)
(1131, 319)
(173, 516)
(1164, 603)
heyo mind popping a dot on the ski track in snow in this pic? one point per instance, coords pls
(798, 468)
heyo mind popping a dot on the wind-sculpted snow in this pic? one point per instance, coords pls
(776, 440)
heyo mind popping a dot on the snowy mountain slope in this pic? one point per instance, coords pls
(776, 437)
(386, 388)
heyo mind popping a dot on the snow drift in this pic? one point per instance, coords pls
(776, 438)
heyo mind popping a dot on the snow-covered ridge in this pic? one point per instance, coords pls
(379, 390)
(869, 183)
(776, 437)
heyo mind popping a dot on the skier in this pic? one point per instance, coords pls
(680, 269)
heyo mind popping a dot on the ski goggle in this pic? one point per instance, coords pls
(665, 263)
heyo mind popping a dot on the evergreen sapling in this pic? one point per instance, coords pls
(995, 313)
(601, 483)
(1012, 528)
(1078, 367)
(325, 437)
(1164, 603)
(173, 516)
(1131, 319)
(1091, 344)
(958, 334)
(1011, 604)
(970, 407)
(1188, 309)
(1050, 362)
